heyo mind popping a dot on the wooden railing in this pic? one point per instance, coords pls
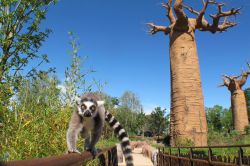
(202, 156)
(107, 157)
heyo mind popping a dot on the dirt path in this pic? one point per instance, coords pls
(139, 159)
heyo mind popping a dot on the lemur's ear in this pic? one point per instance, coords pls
(100, 102)
(78, 100)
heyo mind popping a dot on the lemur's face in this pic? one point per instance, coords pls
(88, 107)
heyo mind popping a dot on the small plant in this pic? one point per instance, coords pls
(247, 129)
(234, 133)
(184, 142)
(75, 81)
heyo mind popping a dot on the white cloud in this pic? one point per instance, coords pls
(62, 88)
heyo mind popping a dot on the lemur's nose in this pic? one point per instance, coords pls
(87, 113)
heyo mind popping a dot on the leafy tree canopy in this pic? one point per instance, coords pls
(21, 37)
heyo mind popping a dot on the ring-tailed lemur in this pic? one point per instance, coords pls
(88, 120)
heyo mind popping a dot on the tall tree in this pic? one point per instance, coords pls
(140, 121)
(214, 117)
(158, 121)
(238, 99)
(188, 119)
(131, 101)
(20, 35)
(227, 120)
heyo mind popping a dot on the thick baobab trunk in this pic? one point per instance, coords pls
(238, 99)
(239, 110)
(188, 119)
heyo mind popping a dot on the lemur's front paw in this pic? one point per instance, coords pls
(74, 151)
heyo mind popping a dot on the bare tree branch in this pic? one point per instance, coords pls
(157, 28)
(191, 9)
(203, 10)
(203, 25)
(225, 82)
(244, 76)
(231, 77)
(178, 8)
(169, 11)
(226, 76)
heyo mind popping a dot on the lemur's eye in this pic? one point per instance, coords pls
(84, 107)
(92, 108)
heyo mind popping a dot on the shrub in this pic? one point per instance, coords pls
(247, 129)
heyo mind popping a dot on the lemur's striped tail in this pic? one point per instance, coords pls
(122, 136)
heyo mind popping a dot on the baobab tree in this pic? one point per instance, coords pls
(238, 99)
(188, 119)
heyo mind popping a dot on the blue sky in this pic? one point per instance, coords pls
(114, 36)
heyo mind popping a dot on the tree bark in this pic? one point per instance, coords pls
(238, 99)
(239, 110)
(187, 116)
(188, 119)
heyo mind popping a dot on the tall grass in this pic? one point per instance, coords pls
(35, 122)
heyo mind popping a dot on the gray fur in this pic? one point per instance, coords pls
(90, 128)
(90, 124)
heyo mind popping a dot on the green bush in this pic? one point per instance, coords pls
(27, 134)
(184, 142)
(247, 129)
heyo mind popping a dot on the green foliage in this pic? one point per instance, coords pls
(158, 121)
(129, 113)
(32, 134)
(31, 118)
(5, 94)
(41, 91)
(214, 117)
(247, 129)
(227, 120)
(21, 37)
(140, 121)
(224, 138)
(34, 125)
(127, 118)
(184, 142)
(75, 78)
(219, 119)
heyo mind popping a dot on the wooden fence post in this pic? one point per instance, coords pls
(240, 153)
(170, 156)
(179, 154)
(158, 157)
(210, 154)
(191, 156)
